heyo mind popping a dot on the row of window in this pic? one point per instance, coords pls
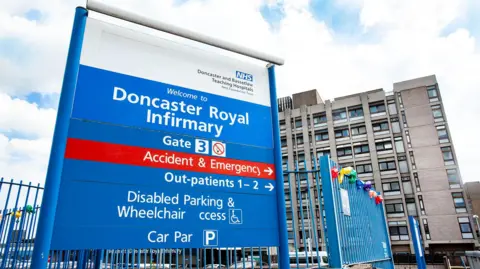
(375, 108)
(381, 146)
(341, 114)
(399, 231)
(384, 165)
(322, 135)
(394, 208)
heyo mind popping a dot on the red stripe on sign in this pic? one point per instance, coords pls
(88, 150)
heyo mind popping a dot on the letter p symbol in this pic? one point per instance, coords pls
(210, 238)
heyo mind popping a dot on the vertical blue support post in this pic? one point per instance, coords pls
(52, 184)
(417, 243)
(98, 258)
(284, 260)
(81, 260)
(335, 253)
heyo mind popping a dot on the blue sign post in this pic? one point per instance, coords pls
(417, 243)
(161, 145)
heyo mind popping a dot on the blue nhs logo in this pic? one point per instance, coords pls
(244, 76)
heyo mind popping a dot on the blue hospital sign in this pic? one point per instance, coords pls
(168, 146)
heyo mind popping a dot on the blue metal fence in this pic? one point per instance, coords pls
(319, 233)
(356, 226)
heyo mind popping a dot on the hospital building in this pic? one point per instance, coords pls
(400, 140)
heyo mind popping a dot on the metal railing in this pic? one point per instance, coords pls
(308, 235)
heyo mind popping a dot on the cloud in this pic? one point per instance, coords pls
(408, 42)
(25, 119)
(25, 139)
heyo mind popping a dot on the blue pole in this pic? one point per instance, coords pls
(54, 173)
(284, 260)
(417, 243)
(99, 259)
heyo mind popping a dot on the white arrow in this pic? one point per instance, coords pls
(269, 171)
(269, 187)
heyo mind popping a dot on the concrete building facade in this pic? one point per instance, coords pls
(472, 190)
(399, 140)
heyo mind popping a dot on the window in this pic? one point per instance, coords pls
(344, 152)
(284, 160)
(359, 130)
(459, 202)
(361, 149)
(442, 134)
(399, 145)
(400, 101)
(298, 124)
(417, 182)
(377, 108)
(453, 178)
(299, 140)
(315, 162)
(319, 119)
(411, 207)
(432, 93)
(321, 136)
(427, 230)
(341, 133)
(289, 215)
(412, 160)
(380, 127)
(355, 112)
(387, 165)
(301, 157)
(284, 142)
(391, 188)
(447, 155)
(398, 232)
(339, 114)
(422, 206)
(382, 146)
(323, 153)
(402, 164)
(404, 119)
(282, 125)
(302, 175)
(437, 113)
(364, 168)
(407, 134)
(465, 228)
(392, 108)
(395, 208)
(290, 235)
(395, 126)
(407, 185)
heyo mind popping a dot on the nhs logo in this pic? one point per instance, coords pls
(244, 76)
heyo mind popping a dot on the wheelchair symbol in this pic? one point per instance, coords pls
(235, 216)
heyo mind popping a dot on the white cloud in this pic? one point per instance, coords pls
(24, 159)
(410, 45)
(25, 118)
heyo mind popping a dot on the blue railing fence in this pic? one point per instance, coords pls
(357, 227)
(308, 213)
(19, 211)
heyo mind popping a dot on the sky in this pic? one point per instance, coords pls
(338, 47)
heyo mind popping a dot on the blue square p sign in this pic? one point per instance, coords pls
(210, 238)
